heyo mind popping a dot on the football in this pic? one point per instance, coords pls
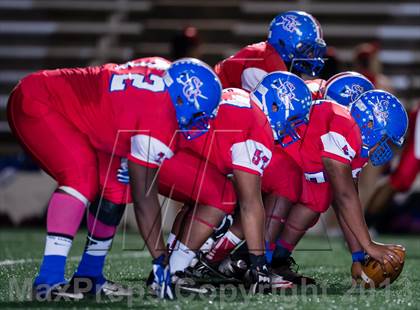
(375, 275)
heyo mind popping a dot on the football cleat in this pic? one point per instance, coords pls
(87, 286)
(278, 282)
(288, 270)
(233, 268)
(61, 291)
(182, 281)
(113, 289)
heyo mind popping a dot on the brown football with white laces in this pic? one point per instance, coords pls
(374, 275)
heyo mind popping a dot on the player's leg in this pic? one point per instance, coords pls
(177, 226)
(226, 243)
(104, 216)
(65, 153)
(277, 210)
(315, 200)
(277, 205)
(191, 177)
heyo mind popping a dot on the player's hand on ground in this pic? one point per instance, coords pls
(356, 273)
(384, 252)
(162, 284)
(258, 277)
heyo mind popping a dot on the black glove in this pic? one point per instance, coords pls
(257, 277)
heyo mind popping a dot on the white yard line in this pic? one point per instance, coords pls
(10, 262)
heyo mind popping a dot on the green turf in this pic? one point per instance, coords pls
(326, 260)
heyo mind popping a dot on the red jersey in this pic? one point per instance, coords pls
(247, 67)
(240, 136)
(331, 132)
(124, 110)
(283, 177)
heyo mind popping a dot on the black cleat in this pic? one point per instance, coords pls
(288, 270)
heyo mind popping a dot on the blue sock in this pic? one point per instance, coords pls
(93, 260)
(281, 252)
(51, 271)
(53, 264)
(269, 250)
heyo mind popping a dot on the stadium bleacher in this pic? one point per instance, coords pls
(39, 34)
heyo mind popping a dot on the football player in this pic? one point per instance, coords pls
(240, 144)
(295, 41)
(316, 193)
(69, 120)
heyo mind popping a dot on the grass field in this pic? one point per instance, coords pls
(326, 260)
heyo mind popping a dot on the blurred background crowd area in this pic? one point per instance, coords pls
(380, 39)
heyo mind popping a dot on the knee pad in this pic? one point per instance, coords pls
(75, 193)
(107, 212)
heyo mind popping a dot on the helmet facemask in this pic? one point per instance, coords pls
(287, 133)
(308, 57)
(192, 121)
(382, 153)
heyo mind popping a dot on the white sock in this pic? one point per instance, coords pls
(57, 245)
(97, 247)
(181, 257)
(232, 237)
(170, 243)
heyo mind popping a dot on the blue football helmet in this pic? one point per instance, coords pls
(347, 87)
(297, 37)
(382, 120)
(195, 91)
(285, 99)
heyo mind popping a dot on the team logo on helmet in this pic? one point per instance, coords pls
(289, 23)
(191, 88)
(353, 92)
(380, 110)
(285, 93)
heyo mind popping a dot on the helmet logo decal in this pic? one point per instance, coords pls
(380, 110)
(191, 88)
(353, 92)
(289, 23)
(285, 93)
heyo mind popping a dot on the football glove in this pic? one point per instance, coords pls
(258, 277)
(162, 284)
(122, 172)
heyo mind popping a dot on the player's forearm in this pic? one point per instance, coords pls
(144, 191)
(149, 221)
(352, 242)
(350, 210)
